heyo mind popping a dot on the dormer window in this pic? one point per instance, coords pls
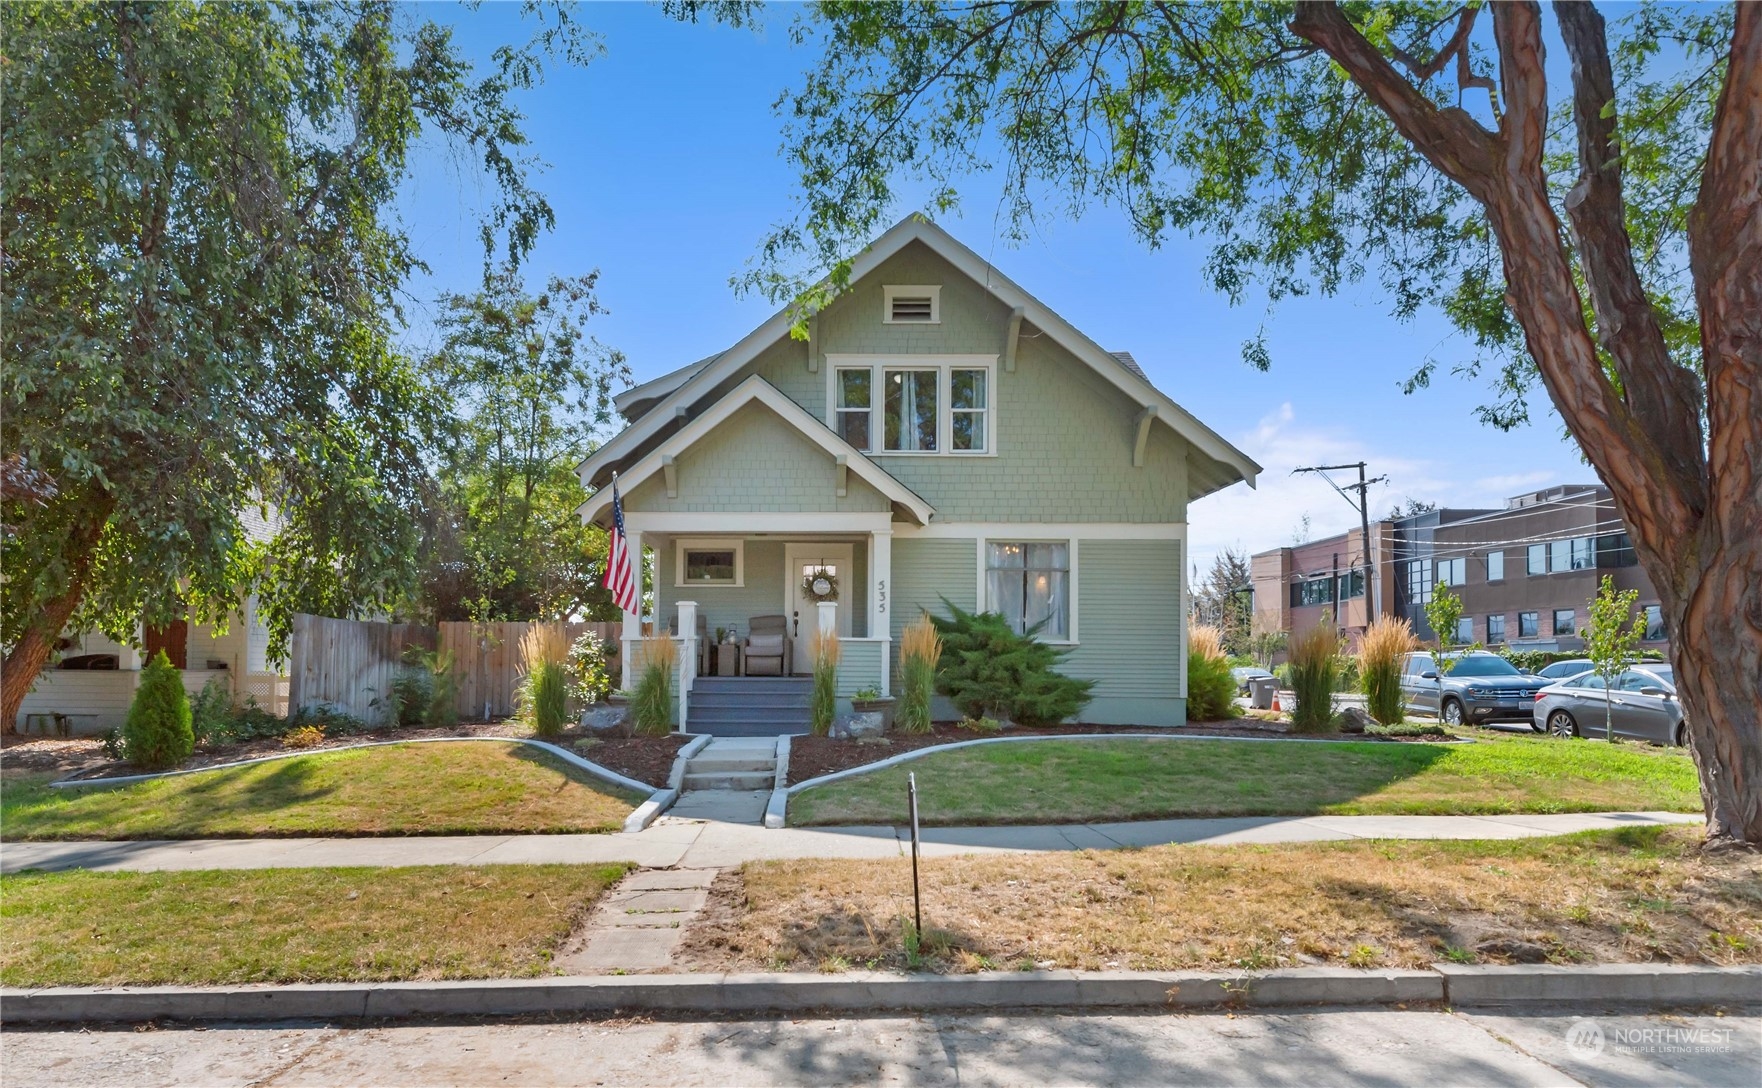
(912, 305)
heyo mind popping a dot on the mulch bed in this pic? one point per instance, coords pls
(646, 759)
(811, 757)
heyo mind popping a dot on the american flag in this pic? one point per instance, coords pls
(620, 572)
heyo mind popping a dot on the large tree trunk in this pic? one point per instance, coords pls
(1692, 512)
(31, 652)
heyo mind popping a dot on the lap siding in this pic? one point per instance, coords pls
(1129, 620)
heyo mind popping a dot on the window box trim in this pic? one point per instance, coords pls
(702, 544)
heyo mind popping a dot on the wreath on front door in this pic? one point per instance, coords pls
(819, 585)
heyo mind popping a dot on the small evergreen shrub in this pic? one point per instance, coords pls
(825, 652)
(1315, 663)
(990, 671)
(211, 713)
(158, 732)
(1211, 690)
(651, 704)
(544, 689)
(1379, 668)
(920, 649)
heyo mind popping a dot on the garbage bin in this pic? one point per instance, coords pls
(1261, 690)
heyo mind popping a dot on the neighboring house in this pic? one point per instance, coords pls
(1526, 572)
(939, 435)
(88, 686)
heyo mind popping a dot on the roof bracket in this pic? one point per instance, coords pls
(1143, 439)
(843, 462)
(814, 344)
(1015, 336)
(670, 470)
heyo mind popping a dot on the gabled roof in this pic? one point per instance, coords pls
(755, 388)
(631, 402)
(690, 383)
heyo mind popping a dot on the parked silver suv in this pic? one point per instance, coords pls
(1480, 687)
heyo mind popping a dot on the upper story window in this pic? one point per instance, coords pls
(915, 404)
(904, 305)
(1495, 566)
(1538, 559)
(1453, 572)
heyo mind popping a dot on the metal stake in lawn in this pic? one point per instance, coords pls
(917, 899)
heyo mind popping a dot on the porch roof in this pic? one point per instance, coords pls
(755, 389)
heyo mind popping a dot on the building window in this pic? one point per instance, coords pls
(1465, 629)
(855, 405)
(1495, 629)
(1029, 584)
(1574, 554)
(1453, 572)
(912, 305)
(1495, 566)
(968, 403)
(1655, 623)
(710, 563)
(1538, 559)
(1565, 622)
(1529, 624)
(1616, 550)
(1584, 554)
(1311, 592)
(1419, 581)
(908, 417)
(1351, 585)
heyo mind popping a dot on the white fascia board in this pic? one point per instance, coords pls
(916, 228)
(1050, 530)
(657, 387)
(758, 389)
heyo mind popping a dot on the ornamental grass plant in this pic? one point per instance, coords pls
(1379, 667)
(1211, 690)
(651, 704)
(1315, 674)
(544, 686)
(920, 649)
(825, 652)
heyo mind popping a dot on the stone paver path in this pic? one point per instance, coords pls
(639, 923)
(711, 843)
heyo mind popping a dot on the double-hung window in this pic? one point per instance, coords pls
(968, 404)
(1495, 566)
(1465, 629)
(1529, 624)
(1538, 559)
(855, 407)
(1029, 584)
(1565, 621)
(1495, 629)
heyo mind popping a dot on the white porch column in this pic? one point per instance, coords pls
(632, 633)
(687, 657)
(880, 586)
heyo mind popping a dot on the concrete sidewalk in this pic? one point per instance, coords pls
(704, 844)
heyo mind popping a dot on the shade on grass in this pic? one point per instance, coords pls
(216, 927)
(1049, 782)
(471, 787)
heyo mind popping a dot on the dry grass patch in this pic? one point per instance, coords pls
(1631, 895)
(472, 787)
(217, 927)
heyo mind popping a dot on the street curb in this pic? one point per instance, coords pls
(717, 995)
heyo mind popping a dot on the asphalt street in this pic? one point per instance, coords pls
(1313, 1048)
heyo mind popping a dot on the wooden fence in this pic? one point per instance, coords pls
(350, 664)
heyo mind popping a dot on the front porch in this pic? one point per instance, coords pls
(708, 584)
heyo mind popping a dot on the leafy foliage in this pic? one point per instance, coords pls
(211, 712)
(590, 675)
(1315, 664)
(157, 733)
(1211, 690)
(990, 671)
(920, 650)
(201, 296)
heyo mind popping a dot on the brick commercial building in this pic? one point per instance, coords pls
(1526, 572)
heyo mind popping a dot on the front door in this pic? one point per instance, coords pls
(173, 638)
(798, 561)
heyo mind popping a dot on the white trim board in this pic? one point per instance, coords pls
(756, 389)
(916, 228)
(1047, 530)
(757, 523)
(945, 366)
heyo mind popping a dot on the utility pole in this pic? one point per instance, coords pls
(1372, 584)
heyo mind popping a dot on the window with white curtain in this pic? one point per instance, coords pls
(1029, 584)
(908, 417)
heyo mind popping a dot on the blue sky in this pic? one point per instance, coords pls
(665, 174)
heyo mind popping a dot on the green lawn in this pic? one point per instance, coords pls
(1080, 781)
(473, 787)
(216, 927)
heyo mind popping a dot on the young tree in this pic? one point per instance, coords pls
(1224, 599)
(1443, 613)
(528, 389)
(1612, 638)
(1604, 237)
(202, 270)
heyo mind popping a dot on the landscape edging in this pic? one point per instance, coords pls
(721, 994)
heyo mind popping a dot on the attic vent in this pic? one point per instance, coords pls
(913, 305)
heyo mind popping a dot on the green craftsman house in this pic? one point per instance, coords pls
(939, 434)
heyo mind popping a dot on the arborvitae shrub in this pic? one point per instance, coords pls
(158, 733)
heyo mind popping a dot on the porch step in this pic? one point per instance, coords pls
(782, 700)
(773, 728)
(738, 764)
(751, 685)
(750, 706)
(751, 781)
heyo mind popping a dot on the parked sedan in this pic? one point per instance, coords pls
(1641, 705)
(1245, 675)
(1565, 670)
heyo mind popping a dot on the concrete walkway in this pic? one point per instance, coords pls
(729, 781)
(679, 842)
